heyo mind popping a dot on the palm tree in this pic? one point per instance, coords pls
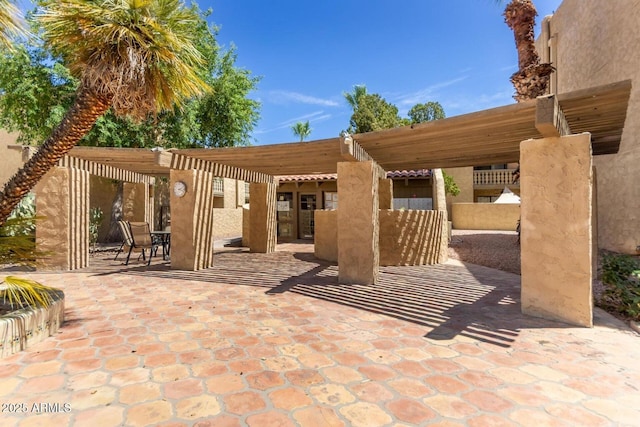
(353, 98)
(532, 78)
(301, 130)
(11, 23)
(134, 56)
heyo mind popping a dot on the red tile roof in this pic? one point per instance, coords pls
(420, 173)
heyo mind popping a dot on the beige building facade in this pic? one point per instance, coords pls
(593, 43)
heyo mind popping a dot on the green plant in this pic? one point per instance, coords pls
(17, 235)
(450, 186)
(621, 276)
(19, 293)
(95, 221)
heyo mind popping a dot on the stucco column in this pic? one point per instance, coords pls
(440, 204)
(438, 190)
(556, 243)
(62, 199)
(385, 193)
(229, 196)
(192, 220)
(262, 217)
(358, 226)
(135, 198)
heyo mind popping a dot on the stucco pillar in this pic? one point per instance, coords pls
(438, 191)
(440, 204)
(135, 198)
(358, 227)
(62, 199)
(385, 193)
(262, 217)
(556, 244)
(229, 195)
(192, 220)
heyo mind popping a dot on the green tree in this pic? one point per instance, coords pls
(353, 98)
(426, 112)
(38, 89)
(373, 113)
(36, 92)
(134, 56)
(301, 130)
(11, 24)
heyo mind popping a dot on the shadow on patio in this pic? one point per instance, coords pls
(453, 299)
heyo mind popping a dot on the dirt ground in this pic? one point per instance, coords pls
(495, 249)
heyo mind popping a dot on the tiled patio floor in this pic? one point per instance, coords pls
(274, 340)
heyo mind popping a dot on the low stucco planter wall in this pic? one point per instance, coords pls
(25, 327)
(407, 237)
(485, 216)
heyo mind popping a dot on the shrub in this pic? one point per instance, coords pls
(621, 276)
(95, 220)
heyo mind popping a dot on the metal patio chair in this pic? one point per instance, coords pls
(141, 238)
(127, 239)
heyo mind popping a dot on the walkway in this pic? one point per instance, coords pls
(273, 340)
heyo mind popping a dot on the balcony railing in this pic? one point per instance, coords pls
(218, 186)
(495, 177)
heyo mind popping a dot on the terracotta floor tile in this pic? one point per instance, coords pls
(144, 346)
(410, 411)
(243, 403)
(149, 413)
(289, 398)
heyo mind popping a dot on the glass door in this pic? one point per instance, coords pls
(307, 208)
(284, 215)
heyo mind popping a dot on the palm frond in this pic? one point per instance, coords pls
(11, 23)
(141, 52)
(20, 292)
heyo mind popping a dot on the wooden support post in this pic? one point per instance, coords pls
(550, 119)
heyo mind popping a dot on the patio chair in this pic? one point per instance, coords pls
(127, 239)
(141, 239)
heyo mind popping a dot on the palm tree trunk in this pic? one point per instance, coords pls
(532, 78)
(78, 121)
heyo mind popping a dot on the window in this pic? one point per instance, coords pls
(331, 200)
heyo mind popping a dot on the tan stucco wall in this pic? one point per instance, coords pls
(463, 177)
(597, 43)
(102, 194)
(385, 193)
(62, 200)
(412, 237)
(10, 158)
(227, 222)
(556, 241)
(246, 227)
(230, 197)
(326, 236)
(407, 237)
(262, 215)
(134, 202)
(485, 216)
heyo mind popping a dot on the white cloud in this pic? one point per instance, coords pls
(315, 117)
(423, 95)
(286, 97)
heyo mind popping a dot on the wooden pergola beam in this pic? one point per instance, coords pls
(182, 162)
(353, 152)
(550, 119)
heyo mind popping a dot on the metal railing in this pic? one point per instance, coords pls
(495, 177)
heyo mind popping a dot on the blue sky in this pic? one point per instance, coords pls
(307, 53)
